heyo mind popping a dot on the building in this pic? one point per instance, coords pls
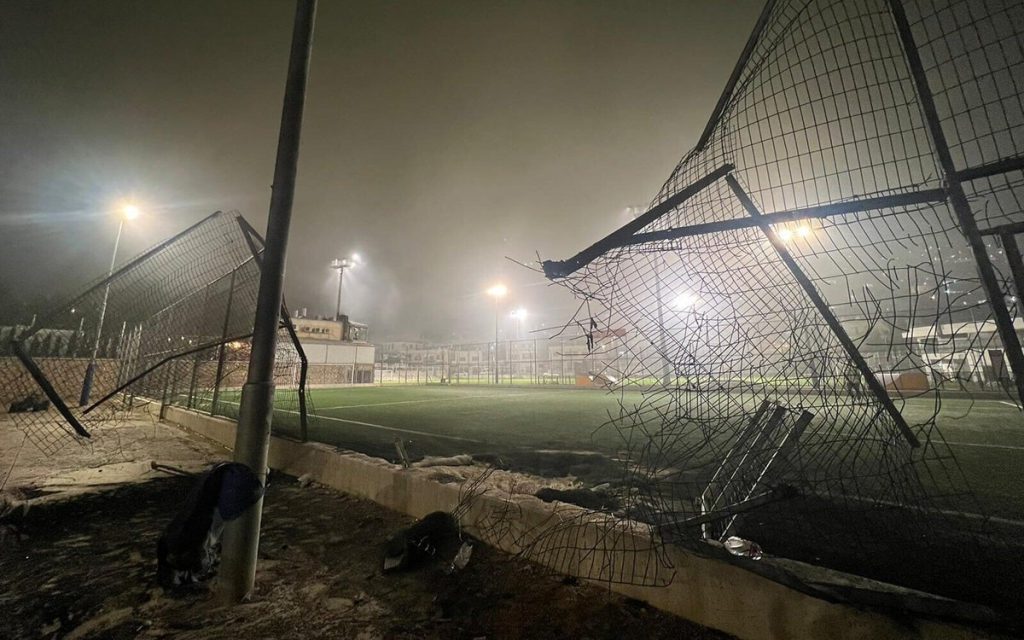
(337, 350)
(965, 351)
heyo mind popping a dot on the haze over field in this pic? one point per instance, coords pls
(438, 138)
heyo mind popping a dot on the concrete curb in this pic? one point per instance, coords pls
(707, 591)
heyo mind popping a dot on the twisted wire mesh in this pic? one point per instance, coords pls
(152, 331)
(825, 110)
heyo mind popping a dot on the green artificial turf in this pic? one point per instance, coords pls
(986, 436)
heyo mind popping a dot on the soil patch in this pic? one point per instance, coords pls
(85, 568)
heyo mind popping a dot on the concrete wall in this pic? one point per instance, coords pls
(707, 591)
(338, 353)
(339, 363)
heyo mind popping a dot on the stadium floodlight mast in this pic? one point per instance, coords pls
(128, 211)
(498, 292)
(341, 264)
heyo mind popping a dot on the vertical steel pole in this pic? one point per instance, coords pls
(223, 339)
(252, 438)
(90, 370)
(958, 199)
(167, 383)
(174, 381)
(666, 364)
(496, 306)
(193, 383)
(1016, 263)
(120, 354)
(337, 307)
(535, 361)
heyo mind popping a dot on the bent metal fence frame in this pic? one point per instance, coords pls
(864, 162)
(171, 325)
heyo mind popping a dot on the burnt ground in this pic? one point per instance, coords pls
(85, 568)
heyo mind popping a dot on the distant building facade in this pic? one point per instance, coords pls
(337, 350)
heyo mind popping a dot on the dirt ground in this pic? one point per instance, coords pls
(118, 452)
(85, 568)
(80, 562)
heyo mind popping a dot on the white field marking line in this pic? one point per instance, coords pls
(1015, 406)
(380, 426)
(988, 446)
(386, 404)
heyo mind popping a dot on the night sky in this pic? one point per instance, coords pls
(438, 138)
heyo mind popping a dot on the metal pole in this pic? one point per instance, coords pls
(252, 437)
(1016, 263)
(223, 340)
(535, 374)
(193, 384)
(666, 364)
(958, 199)
(120, 353)
(337, 307)
(90, 370)
(496, 307)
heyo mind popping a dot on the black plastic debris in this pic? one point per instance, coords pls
(31, 402)
(189, 548)
(436, 534)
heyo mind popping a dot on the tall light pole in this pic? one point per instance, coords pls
(128, 212)
(252, 437)
(519, 315)
(498, 292)
(666, 364)
(341, 264)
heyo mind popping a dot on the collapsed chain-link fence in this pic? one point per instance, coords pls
(172, 326)
(841, 238)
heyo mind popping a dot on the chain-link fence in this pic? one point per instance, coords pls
(172, 325)
(842, 233)
(541, 361)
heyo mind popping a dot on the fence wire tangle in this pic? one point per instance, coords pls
(845, 227)
(172, 324)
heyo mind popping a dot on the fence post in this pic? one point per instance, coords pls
(163, 397)
(561, 367)
(223, 339)
(134, 348)
(195, 361)
(958, 199)
(1013, 256)
(174, 382)
(535, 361)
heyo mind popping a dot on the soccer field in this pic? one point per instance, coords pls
(987, 436)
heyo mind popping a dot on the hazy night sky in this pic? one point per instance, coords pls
(438, 138)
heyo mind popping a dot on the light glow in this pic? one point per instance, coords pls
(684, 301)
(130, 211)
(498, 291)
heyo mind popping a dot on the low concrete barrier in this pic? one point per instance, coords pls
(707, 591)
